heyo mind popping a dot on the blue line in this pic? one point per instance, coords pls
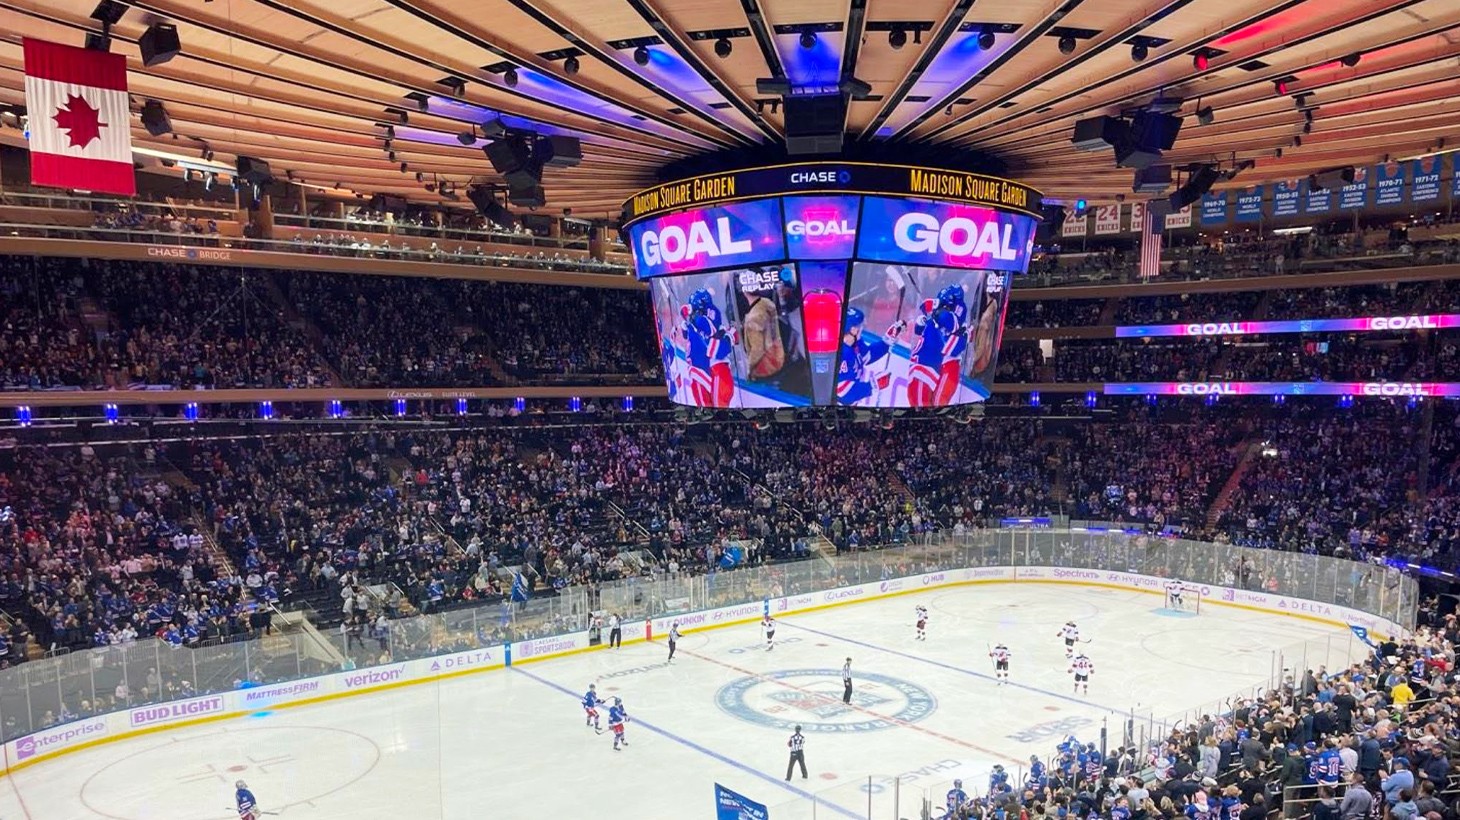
(683, 741)
(952, 668)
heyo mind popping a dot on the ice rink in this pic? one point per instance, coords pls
(513, 744)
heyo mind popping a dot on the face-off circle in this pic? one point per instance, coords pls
(291, 764)
(812, 699)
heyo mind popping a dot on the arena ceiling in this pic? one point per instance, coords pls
(310, 85)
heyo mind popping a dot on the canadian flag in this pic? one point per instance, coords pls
(80, 123)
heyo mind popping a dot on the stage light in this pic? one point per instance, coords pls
(1091, 399)
(335, 409)
(1200, 60)
(571, 66)
(808, 39)
(628, 404)
(897, 38)
(986, 39)
(266, 410)
(468, 138)
(1280, 86)
(1351, 60)
(1206, 116)
(1308, 127)
(1081, 206)
(190, 411)
(1067, 44)
(23, 416)
(1140, 51)
(519, 404)
(510, 77)
(723, 47)
(1297, 142)
(641, 55)
(400, 407)
(159, 43)
(420, 177)
(111, 413)
(461, 407)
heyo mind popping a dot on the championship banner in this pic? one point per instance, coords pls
(1179, 219)
(1137, 217)
(1426, 173)
(1107, 219)
(80, 122)
(1214, 209)
(1389, 184)
(1286, 198)
(1318, 201)
(1249, 204)
(1355, 195)
(730, 805)
(1075, 225)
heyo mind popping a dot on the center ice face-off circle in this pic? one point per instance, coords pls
(812, 699)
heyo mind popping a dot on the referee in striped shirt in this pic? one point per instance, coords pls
(798, 753)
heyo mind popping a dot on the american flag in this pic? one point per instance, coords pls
(1151, 227)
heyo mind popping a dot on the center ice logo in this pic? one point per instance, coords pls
(813, 699)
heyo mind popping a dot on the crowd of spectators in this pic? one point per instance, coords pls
(1375, 738)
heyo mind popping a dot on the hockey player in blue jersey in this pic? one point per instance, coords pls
(247, 806)
(617, 717)
(934, 336)
(1036, 780)
(998, 777)
(956, 800)
(591, 700)
(952, 315)
(710, 343)
(863, 369)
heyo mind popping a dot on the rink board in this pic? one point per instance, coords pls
(47, 744)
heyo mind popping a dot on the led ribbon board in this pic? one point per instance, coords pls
(1391, 389)
(1363, 324)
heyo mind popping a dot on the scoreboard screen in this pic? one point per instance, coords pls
(817, 293)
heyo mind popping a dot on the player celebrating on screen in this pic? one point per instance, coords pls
(930, 332)
(863, 369)
(952, 316)
(710, 342)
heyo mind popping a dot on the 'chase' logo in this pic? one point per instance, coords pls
(813, 699)
(842, 177)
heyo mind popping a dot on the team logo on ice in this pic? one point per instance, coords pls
(813, 699)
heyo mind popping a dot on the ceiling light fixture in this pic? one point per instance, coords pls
(723, 47)
(641, 55)
(510, 77)
(1067, 44)
(1139, 51)
(808, 39)
(986, 39)
(570, 65)
(897, 38)
(1351, 60)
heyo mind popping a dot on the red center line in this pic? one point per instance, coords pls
(821, 696)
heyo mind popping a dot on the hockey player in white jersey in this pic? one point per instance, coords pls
(1173, 594)
(768, 626)
(1070, 633)
(921, 615)
(1000, 654)
(1082, 669)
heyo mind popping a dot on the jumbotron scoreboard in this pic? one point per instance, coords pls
(831, 283)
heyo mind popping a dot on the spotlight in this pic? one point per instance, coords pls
(1201, 60)
(897, 38)
(1206, 116)
(1308, 127)
(570, 66)
(1308, 114)
(641, 55)
(403, 167)
(1280, 86)
(808, 39)
(390, 155)
(1067, 44)
(986, 39)
(389, 133)
(1297, 142)
(468, 138)
(723, 47)
(1351, 60)
(1140, 51)
(510, 77)
(420, 177)
(949, 110)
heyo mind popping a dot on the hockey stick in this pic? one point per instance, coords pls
(256, 811)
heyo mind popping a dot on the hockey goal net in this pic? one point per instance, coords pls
(1188, 600)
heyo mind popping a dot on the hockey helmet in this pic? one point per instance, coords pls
(617, 701)
(958, 784)
(951, 295)
(998, 767)
(592, 686)
(240, 785)
(700, 300)
(855, 319)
